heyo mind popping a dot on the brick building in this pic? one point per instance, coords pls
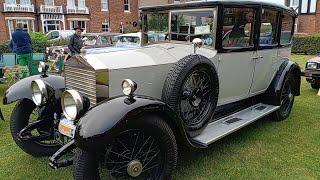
(46, 15)
(309, 15)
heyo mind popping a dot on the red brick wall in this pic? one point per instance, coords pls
(309, 23)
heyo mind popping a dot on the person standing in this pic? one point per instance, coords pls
(76, 43)
(21, 45)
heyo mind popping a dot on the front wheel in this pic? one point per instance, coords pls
(287, 99)
(23, 114)
(146, 149)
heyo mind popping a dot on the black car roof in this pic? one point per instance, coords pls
(208, 3)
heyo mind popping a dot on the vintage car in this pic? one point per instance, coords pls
(312, 72)
(126, 111)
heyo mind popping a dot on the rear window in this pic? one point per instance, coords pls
(286, 29)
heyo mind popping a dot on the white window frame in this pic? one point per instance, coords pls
(105, 23)
(72, 24)
(84, 4)
(10, 27)
(104, 2)
(128, 4)
(47, 2)
(294, 5)
(72, 5)
(27, 4)
(9, 2)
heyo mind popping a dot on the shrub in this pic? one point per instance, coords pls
(306, 44)
(39, 42)
(4, 47)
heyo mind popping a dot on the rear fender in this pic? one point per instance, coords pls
(21, 89)
(273, 93)
(103, 122)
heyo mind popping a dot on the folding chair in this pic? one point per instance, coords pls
(2, 77)
(11, 70)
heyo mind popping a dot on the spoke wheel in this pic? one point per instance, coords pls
(144, 149)
(196, 96)
(25, 113)
(286, 100)
(134, 154)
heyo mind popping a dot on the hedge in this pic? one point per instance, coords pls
(39, 43)
(306, 44)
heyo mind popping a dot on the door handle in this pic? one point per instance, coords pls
(257, 57)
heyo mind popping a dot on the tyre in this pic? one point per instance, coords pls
(287, 99)
(315, 86)
(22, 115)
(191, 89)
(146, 149)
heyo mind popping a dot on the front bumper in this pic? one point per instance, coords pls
(312, 76)
(54, 161)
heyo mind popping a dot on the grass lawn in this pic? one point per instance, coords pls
(264, 150)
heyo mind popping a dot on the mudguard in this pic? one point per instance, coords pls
(100, 124)
(273, 93)
(21, 89)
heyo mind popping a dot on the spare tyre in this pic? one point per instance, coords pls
(191, 89)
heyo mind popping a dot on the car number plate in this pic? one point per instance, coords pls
(67, 128)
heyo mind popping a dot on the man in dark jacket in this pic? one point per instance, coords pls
(21, 45)
(76, 42)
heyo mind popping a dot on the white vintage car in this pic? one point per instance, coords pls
(219, 66)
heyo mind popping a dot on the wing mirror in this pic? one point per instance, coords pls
(197, 43)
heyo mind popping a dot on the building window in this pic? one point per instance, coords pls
(104, 5)
(11, 28)
(126, 5)
(81, 4)
(25, 2)
(50, 25)
(24, 23)
(10, 1)
(49, 2)
(105, 26)
(81, 24)
(294, 3)
(70, 3)
(308, 6)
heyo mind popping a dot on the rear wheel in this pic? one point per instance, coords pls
(24, 113)
(287, 99)
(145, 150)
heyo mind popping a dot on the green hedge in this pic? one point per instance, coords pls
(39, 43)
(306, 44)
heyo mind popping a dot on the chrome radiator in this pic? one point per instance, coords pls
(82, 80)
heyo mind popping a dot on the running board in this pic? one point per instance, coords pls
(222, 127)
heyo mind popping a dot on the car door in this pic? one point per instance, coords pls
(236, 49)
(266, 56)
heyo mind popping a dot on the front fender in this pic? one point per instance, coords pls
(21, 89)
(103, 122)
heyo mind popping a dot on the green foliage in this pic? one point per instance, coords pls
(39, 42)
(4, 47)
(306, 44)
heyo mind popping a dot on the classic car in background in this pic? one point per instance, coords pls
(312, 72)
(126, 111)
(90, 40)
(56, 35)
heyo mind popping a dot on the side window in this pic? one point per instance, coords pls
(268, 29)
(286, 29)
(238, 24)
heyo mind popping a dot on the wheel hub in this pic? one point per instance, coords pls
(196, 97)
(134, 168)
(290, 96)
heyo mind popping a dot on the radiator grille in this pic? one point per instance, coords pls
(82, 80)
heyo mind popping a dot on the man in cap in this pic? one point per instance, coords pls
(76, 43)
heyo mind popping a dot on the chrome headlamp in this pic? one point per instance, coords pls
(128, 87)
(42, 67)
(72, 104)
(312, 65)
(39, 92)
